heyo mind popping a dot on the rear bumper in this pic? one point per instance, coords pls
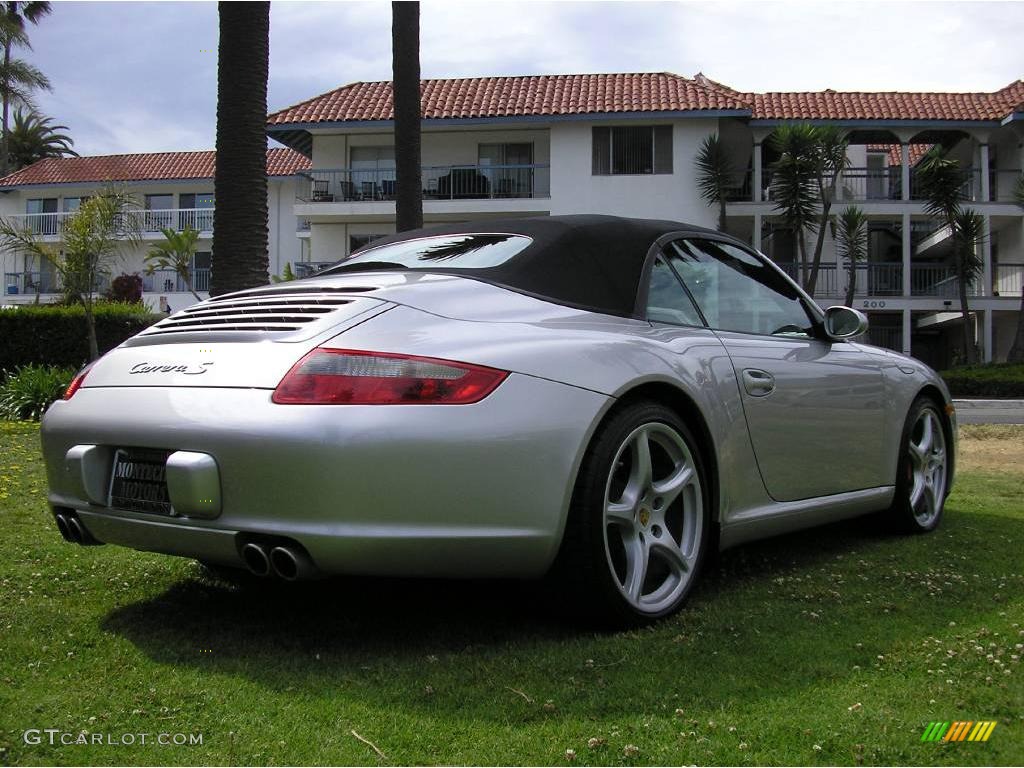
(477, 490)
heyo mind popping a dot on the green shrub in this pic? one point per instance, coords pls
(991, 380)
(28, 391)
(56, 335)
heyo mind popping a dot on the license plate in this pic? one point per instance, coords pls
(138, 482)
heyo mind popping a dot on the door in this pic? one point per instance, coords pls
(814, 408)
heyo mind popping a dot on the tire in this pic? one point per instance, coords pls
(639, 521)
(922, 471)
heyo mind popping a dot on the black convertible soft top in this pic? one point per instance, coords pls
(586, 261)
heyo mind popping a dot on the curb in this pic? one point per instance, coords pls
(978, 403)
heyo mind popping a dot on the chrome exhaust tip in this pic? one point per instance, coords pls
(64, 528)
(76, 531)
(291, 564)
(256, 560)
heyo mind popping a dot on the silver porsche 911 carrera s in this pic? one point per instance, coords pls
(598, 399)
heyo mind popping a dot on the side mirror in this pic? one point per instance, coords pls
(844, 323)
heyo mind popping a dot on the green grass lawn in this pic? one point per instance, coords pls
(834, 646)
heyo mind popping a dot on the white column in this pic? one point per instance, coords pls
(905, 170)
(986, 335)
(906, 255)
(906, 331)
(984, 173)
(756, 242)
(756, 191)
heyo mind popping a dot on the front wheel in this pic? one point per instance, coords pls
(638, 526)
(922, 475)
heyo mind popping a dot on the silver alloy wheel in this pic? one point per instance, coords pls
(928, 462)
(653, 517)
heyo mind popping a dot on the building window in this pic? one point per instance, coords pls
(507, 168)
(632, 150)
(356, 242)
(72, 204)
(158, 214)
(39, 220)
(195, 211)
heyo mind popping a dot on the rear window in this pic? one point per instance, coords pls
(465, 251)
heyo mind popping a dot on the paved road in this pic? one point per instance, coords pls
(989, 411)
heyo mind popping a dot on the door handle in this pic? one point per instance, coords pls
(758, 383)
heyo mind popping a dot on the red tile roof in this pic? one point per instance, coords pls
(517, 96)
(142, 167)
(541, 95)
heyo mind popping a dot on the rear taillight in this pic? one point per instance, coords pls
(352, 377)
(76, 382)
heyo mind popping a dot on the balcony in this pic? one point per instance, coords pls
(440, 182)
(880, 185)
(161, 281)
(885, 279)
(51, 225)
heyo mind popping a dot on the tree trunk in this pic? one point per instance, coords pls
(851, 284)
(1016, 353)
(240, 240)
(90, 323)
(405, 89)
(721, 213)
(5, 141)
(819, 244)
(965, 310)
(801, 242)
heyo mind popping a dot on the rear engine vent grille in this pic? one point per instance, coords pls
(262, 311)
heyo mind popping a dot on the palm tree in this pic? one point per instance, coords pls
(829, 161)
(34, 138)
(175, 252)
(240, 258)
(941, 181)
(92, 239)
(716, 175)
(852, 244)
(794, 185)
(405, 92)
(17, 78)
(1016, 353)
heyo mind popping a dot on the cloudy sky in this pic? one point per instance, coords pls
(141, 77)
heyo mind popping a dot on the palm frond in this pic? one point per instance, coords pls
(716, 174)
(852, 234)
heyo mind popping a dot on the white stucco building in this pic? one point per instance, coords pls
(625, 144)
(172, 189)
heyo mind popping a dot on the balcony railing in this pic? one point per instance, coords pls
(886, 184)
(1007, 279)
(200, 219)
(169, 281)
(161, 281)
(937, 280)
(888, 336)
(31, 283)
(440, 182)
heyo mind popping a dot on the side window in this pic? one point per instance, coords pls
(736, 291)
(667, 301)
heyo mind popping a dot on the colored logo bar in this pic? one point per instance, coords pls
(960, 730)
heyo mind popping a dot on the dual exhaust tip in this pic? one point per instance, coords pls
(284, 561)
(71, 529)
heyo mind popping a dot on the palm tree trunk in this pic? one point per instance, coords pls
(968, 335)
(851, 284)
(801, 242)
(819, 243)
(405, 88)
(721, 212)
(240, 248)
(5, 146)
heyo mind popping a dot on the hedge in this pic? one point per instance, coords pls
(992, 380)
(57, 335)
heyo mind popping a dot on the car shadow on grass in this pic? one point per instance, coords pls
(782, 614)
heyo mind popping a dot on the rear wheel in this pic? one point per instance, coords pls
(638, 526)
(922, 475)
